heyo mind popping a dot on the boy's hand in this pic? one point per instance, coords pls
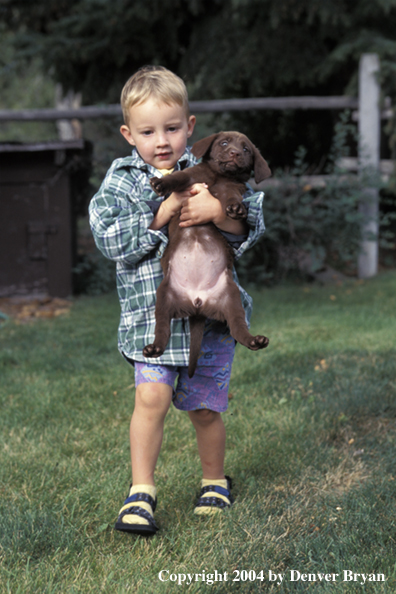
(169, 208)
(201, 207)
(174, 202)
(198, 207)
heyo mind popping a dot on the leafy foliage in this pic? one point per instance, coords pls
(94, 275)
(312, 226)
(307, 228)
(94, 45)
(23, 85)
(242, 48)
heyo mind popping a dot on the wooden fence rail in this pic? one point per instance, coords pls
(217, 105)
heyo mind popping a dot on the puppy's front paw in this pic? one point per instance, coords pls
(151, 350)
(159, 186)
(236, 211)
(258, 342)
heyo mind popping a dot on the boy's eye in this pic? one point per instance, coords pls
(172, 128)
(146, 132)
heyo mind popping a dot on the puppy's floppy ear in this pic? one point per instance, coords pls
(202, 147)
(261, 169)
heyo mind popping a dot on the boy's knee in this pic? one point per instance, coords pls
(153, 396)
(204, 416)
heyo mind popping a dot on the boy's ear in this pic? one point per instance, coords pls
(202, 147)
(127, 134)
(190, 125)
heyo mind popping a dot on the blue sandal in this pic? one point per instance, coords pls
(143, 529)
(208, 505)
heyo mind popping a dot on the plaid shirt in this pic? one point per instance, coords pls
(120, 215)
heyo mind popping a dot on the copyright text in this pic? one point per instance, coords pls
(293, 575)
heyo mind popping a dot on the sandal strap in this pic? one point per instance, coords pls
(212, 502)
(138, 511)
(216, 489)
(142, 497)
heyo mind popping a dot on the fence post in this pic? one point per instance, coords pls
(369, 155)
(67, 129)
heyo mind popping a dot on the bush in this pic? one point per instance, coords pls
(310, 226)
(306, 228)
(94, 275)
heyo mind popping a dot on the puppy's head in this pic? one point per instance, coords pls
(232, 154)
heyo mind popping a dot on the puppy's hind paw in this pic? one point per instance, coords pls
(236, 211)
(151, 350)
(258, 342)
(158, 185)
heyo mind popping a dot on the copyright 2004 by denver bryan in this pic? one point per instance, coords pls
(251, 575)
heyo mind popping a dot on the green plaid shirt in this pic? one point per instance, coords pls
(120, 215)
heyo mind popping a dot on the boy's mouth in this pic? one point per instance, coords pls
(164, 156)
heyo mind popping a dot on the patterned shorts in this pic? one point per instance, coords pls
(208, 388)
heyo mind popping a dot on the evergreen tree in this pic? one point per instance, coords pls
(222, 48)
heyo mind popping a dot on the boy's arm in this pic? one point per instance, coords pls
(201, 207)
(205, 208)
(120, 222)
(253, 202)
(168, 208)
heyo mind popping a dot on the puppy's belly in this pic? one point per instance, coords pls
(198, 274)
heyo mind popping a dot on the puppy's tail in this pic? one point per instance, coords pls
(197, 324)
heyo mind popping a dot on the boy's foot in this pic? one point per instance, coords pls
(137, 514)
(215, 496)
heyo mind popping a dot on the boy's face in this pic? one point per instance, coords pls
(159, 131)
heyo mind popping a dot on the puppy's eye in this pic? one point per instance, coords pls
(224, 143)
(245, 149)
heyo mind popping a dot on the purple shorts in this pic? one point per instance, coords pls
(208, 388)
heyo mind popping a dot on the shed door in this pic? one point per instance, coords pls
(35, 239)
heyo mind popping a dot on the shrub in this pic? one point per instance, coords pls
(94, 275)
(313, 224)
(306, 228)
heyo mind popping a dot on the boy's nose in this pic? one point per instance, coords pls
(162, 139)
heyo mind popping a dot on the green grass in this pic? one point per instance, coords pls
(311, 448)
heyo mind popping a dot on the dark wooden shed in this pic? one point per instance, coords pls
(39, 201)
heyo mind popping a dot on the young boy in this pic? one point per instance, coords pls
(129, 224)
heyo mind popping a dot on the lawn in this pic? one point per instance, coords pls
(311, 429)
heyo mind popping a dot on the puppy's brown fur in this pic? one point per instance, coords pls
(198, 260)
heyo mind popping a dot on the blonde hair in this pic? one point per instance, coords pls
(157, 82)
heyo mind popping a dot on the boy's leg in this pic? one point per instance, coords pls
(152, 402)
(215, 492)
(205, 397)
(211, 438)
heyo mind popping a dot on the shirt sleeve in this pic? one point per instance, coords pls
(235, 241)
(120, 222)
(255, 220)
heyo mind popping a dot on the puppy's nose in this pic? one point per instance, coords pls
(234, 152)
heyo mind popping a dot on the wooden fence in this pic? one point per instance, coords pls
(368, 114)
(217, 105)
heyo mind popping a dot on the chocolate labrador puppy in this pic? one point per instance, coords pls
(198, 260)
